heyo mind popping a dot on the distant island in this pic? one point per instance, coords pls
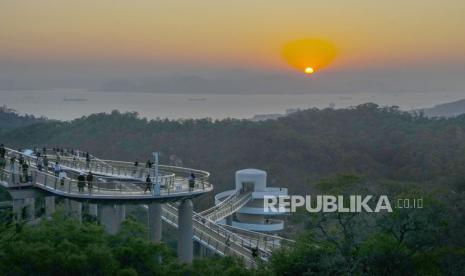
(451, 109)
(273, 116)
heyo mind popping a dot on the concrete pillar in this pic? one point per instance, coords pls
(185, 234)
(67, 206)
(76, 210)
(93, 210)
(18, 205)
(111, 217)
(155, 223)
(203, 251)
(121, 213)
(49, 206)
(30, 208)
(229, 220)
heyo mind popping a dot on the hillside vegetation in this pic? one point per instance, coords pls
(10, 119)
(296, 150)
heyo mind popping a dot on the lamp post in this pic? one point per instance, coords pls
(156, 186)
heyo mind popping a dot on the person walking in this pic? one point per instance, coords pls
(62, 177)
(2, 156)
(45, 162)
(81, 182)
(56, 169)
(2, 151)
(87, 161)
(136, 166)
(191, 181)
(40, 164)
(2, 162)
(90, 181)
(25, 168)
(21, 159)
(255, 252)
(148, 184)
(12, 163)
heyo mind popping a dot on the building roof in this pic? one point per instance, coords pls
(251, 171)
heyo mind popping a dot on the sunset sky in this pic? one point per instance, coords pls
(237, 34)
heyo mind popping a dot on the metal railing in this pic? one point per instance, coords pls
(213, 236)
(171, 181)
(227, 207)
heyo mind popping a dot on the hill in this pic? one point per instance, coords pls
(296, 150)
(446, 110)
(10, 119)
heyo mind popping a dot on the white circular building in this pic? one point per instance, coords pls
(252, 216)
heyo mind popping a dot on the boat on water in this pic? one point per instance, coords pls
(66, 99)
(197, 99)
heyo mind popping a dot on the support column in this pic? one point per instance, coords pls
(154, 214)
(30, 209)
(111, 218)
(229, 220)
(76, 210)
(121, 213)
(49, 206)
(93, 210)
(67, 206)
(203, 250)
(18, 205)
(185, 234)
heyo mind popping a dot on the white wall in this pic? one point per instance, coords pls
(258, 177)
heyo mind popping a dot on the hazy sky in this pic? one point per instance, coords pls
(46, 39)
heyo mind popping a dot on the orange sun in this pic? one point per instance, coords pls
(309, 55)
(309, 70)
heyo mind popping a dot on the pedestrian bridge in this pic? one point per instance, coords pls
(114, 180)
(118, 181)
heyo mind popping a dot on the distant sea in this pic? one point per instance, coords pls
(67, 104)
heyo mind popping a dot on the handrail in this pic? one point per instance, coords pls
(74, 153)
(228, 206)
(227, 239)
(170, 183)
(216, 207)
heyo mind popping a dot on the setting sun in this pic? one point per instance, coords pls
(309, 70)
(309, 55)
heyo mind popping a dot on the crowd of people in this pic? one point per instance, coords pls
(49, 160)
(21, 165)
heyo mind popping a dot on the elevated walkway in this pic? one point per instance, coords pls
(227, 207)
(121, 182)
